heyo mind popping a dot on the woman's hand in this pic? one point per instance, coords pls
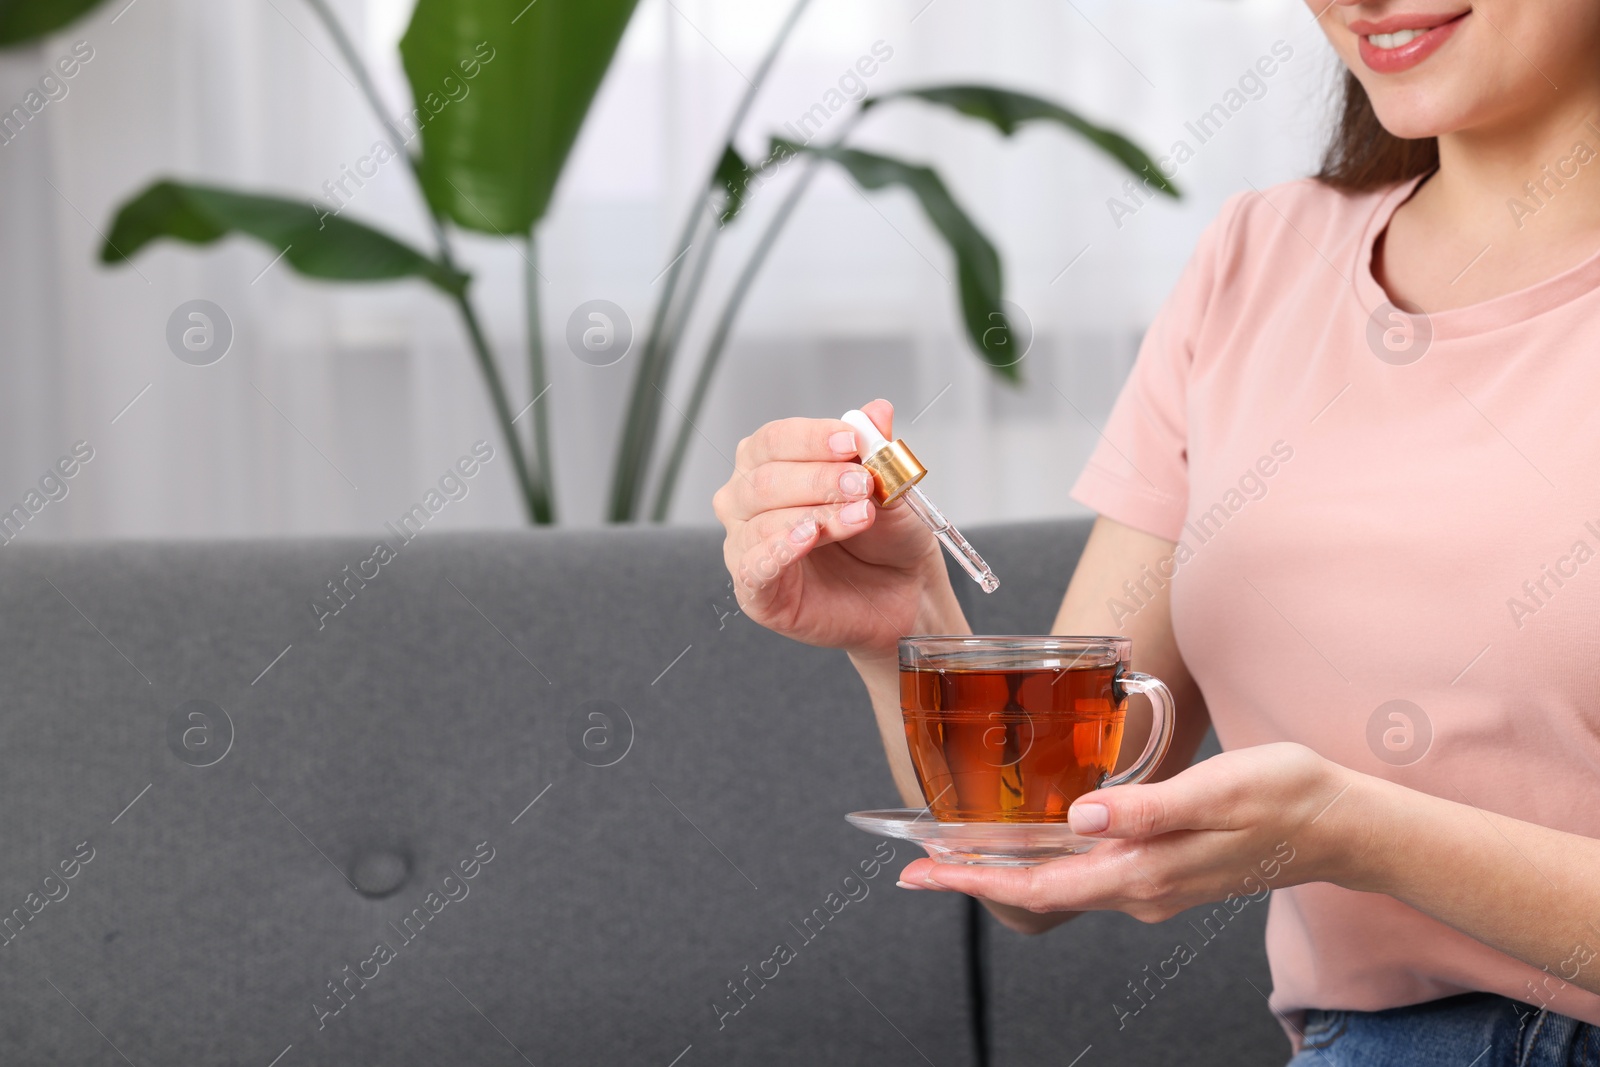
(1228, 826)
(812, 557)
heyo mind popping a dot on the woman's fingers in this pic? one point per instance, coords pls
(794, 462)
(834, 522)
(1230, 791)
(790, 483)
(881, 412)
(1112, 877)
(1072, 883)
(763, 560)
(809, 439)
(797, 484)
(775, 540)
(796, 440)
(1143, 810)
(789, 463)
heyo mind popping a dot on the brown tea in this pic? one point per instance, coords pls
(1010, 745)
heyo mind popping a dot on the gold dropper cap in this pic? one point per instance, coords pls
(894, 470)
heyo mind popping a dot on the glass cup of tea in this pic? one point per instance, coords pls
(1014, 729)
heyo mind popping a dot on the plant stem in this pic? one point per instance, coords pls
(724, 327)
(533, 496)
(674, 329)
(719, 340)
(539, 445)
(533, 499)
(632, 452)
(655, 360)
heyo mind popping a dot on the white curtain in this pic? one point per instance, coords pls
(338, 407)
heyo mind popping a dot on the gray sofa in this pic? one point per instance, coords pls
(524, 797)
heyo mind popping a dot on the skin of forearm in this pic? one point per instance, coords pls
(1114, 552)
(1523, 889)
(882, 678)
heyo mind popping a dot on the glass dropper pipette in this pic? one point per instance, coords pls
(896, 471)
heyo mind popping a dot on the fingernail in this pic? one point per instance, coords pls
(1089, 818)
(854, 483)
(855, 513)
(843, 442)
(907, 885)
(802, 531)
(928, 878)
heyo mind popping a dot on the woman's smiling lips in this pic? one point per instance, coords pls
(1400, 42)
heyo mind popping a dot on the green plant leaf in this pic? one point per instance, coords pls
(977, 263)
(1007, 110)
(501, 88)
(22, 21)
(734, 175)
(312, 239)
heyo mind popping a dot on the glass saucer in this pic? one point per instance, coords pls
(981, 844)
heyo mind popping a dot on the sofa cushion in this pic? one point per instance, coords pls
(539, 797)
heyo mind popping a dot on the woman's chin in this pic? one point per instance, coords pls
(1414, 116)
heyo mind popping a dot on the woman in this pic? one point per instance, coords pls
(1346, 506)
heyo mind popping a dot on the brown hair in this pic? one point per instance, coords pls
(1362, 155)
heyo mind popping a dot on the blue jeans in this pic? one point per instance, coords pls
(1470, 1030)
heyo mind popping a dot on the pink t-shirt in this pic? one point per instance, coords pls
(1389, 551)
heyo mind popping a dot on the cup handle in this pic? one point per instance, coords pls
(1162, 710)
